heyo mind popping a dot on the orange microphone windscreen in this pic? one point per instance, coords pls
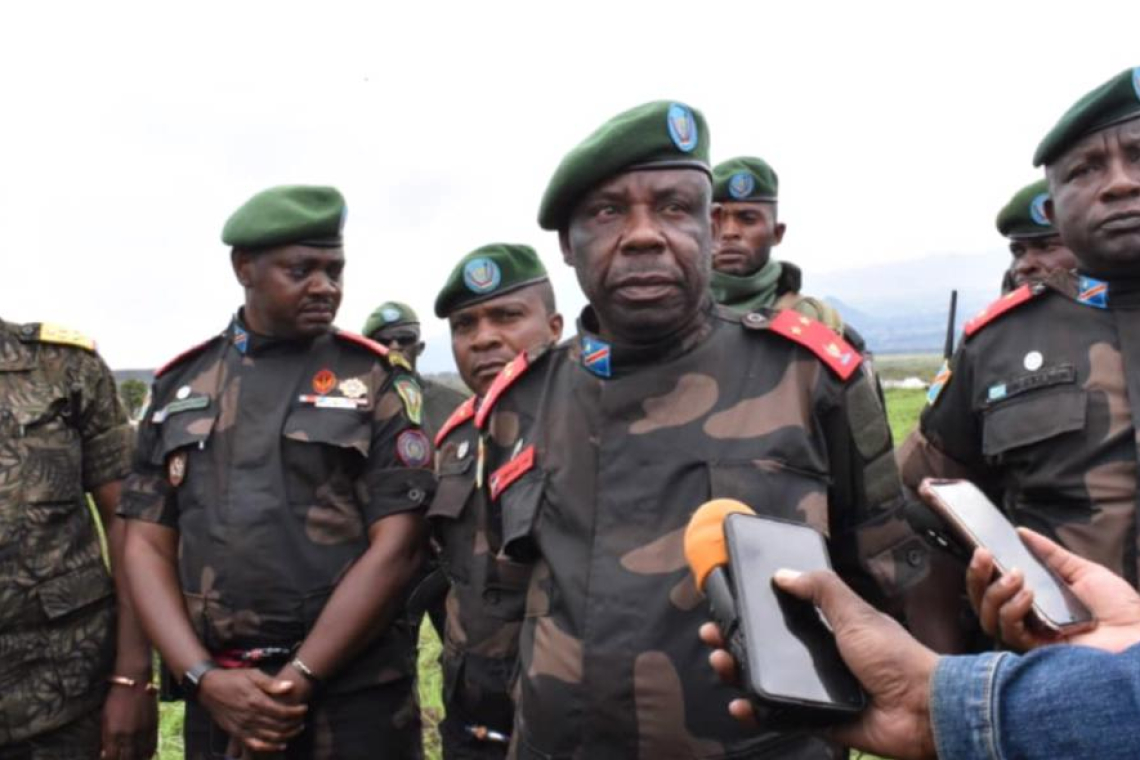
(704, 537)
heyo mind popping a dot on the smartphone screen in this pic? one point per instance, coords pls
(792, 658)
(980, 523)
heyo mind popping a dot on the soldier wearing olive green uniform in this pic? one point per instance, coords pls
(279, 462)
(1039, 405)
(597, 452)
(1034, 243)
(745, 277)
(487, 591)
(63, 431)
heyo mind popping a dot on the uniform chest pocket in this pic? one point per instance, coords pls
(1032, 418)
(773, 487)
(325, 449)
(452, 521)
(184, 431)
(44, 433)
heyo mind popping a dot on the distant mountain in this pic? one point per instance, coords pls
(903, 307)
(145, 375)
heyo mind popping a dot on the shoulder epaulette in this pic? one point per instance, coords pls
(1008, 302)
(192, 351)
(394, 358)
(462, 413)
(63, 336)
(506, 377)
(816, 337)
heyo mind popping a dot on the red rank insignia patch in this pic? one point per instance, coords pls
(818, 338)
(502, 478)
(324, 381)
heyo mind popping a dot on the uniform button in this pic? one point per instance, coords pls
(755, 319)
(416, 495)
(914, 557)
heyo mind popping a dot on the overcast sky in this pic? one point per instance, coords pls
(131, 131)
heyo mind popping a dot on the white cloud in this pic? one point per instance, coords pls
(131, 130)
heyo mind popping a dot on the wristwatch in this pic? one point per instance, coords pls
(192, 678)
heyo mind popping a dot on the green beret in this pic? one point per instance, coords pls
(663, 134)
(389, 314)
(288, 214)
(745, 179)
(1024, 215)
(1115, 101)
(487, 273)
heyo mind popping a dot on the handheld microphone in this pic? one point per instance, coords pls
(707, 555)
(787, 658)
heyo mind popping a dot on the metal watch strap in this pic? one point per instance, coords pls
(192, 679)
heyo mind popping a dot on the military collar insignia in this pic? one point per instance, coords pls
(462, 413)
(941, 378)
(682, 127)
(1092, 292)
(741, 185)
(1037, 210)
(240, 339)
(507, 375)
(413, 448)
(413, 398)
(324, 381)
(596, 356)
(482, 275)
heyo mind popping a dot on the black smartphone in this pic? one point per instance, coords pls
(790, 661)
(974, 521)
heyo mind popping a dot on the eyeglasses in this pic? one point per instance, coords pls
(399, 341)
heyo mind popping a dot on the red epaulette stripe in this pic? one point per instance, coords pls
(507, 375)
(502, 478)
(997, 308)
(462, 413)
(820, 339)
(376, 348)
(195, 349)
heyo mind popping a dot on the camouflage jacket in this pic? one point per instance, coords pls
(597, 455)
(271, 458)
(488, 591)
(1038, 407)
(62, 431)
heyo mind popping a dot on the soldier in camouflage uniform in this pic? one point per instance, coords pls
(1039, 404)
(1034, 243)
(396, 325)
(745, 277)
(275, 509)
(597, 453)
(69, 688)
(498, 303)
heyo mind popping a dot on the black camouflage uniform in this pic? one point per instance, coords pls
(63, 431)
(271, 458)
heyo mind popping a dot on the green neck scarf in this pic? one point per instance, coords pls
(749, 292)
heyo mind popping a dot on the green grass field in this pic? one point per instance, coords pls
(903, 408)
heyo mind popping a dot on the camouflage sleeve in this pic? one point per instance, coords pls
(147, 494)
(872, 543)
(103, 426)
(398, 477)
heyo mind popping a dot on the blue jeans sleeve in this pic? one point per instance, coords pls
(1062, 701)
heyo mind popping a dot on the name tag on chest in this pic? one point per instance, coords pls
(332, 402)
